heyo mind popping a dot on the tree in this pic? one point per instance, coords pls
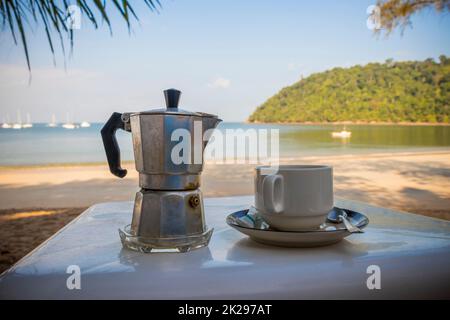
(393, 14)
(410, 91)
(17, 15)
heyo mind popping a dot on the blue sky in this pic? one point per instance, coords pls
(226, 56)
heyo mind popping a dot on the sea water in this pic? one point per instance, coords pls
(42, 145)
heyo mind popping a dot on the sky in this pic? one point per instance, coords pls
(226, 56)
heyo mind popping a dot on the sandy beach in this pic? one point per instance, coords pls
(416, 182)
(36, 201)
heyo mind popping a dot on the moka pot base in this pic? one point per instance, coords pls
(167, 221)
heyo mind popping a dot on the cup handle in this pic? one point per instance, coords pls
(273, 190)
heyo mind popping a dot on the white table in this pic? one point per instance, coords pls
(413, 253)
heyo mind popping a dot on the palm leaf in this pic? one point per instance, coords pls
(18, 18)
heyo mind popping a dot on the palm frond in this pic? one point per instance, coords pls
(396, 14)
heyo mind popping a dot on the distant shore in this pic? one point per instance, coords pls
(374, 123)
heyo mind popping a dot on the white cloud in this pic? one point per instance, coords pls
(219, 83)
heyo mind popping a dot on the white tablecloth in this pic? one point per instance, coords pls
(412, 252)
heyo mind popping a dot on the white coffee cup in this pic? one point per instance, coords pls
(294, 197)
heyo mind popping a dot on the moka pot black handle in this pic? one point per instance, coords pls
(111, 146)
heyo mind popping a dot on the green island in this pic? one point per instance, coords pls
(389, 92)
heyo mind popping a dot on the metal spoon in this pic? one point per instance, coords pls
(338, 215)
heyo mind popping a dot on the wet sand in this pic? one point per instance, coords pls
(31, 198)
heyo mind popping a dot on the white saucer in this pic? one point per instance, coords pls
(250, 223)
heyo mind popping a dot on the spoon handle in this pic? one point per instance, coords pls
(351, 228)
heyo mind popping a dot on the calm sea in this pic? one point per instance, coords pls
(44, 145)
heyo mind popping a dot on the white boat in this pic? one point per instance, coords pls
(28, 124)
(53, 124)
(18, 125)
(85, 124)
(341, 134)
(68, 124)
(6, 124)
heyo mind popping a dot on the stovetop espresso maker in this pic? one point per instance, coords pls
(168, 145)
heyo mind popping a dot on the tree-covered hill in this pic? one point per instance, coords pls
(412, 91)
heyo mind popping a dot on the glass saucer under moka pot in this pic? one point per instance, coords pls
(168, 211)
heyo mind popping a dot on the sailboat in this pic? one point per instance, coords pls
(341, 134)
(18, 125)
(28, 124)
(6, 124)
(85, 124)
(68, 124)
(53, 124)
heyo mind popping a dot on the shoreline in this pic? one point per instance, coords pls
(404, 152)
(60, 165)
(410, 181)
